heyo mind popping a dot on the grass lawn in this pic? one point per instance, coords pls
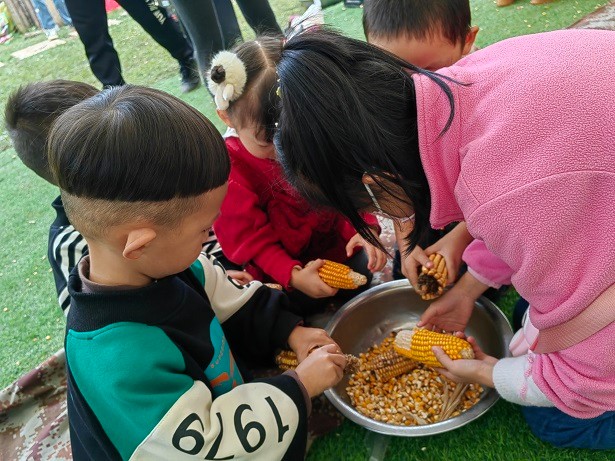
(31, 324)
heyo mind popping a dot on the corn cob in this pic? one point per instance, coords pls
(416, 345)
(432, 281)
(273, 286)
(339, 275)
(384, 359)
(388, 372)
(287, 360)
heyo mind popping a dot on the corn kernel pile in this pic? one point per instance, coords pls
(417, 397)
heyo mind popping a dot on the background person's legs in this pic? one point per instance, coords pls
(63, 11)
(156, 22)
(229, 26)
(212, 24)
(43, 16)
(200, 19)
(90, 20)
(260, 16)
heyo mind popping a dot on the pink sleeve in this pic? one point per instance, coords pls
(485, 266)
(246, 235)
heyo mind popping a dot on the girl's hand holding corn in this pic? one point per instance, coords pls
(477, 370)
(376, 258)
(307, 280)
(302, 340)
(451, 247)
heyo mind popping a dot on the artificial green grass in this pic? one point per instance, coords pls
(29, 312)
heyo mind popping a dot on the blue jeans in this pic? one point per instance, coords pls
(44, 16)
(563, 431)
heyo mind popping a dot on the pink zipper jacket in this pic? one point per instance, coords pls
(529, 164)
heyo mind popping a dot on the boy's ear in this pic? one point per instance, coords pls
(470, 38)
(225, 118)
(136, 242)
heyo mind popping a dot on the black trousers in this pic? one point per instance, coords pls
(90, 21)
(212, 24)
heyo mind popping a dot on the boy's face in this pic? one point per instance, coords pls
(177, 246)
(431, 53)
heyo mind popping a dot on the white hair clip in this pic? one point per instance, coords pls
(226, 78)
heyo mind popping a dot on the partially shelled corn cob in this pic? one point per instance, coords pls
(432, 281)
(339, 275)
(417, 344)
(390, 364)
(287, 360)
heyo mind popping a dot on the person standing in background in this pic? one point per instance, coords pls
(90, 21)
(44, 16)
(212, 24)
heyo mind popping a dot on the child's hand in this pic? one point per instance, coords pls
(308, 281)
(241, 276)
(303, 339)
(452, 311)
(322, 369)
(376, 258)
(451, 247)
(410, 264)
(478, 370)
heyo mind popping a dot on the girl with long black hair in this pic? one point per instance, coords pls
(517, 141)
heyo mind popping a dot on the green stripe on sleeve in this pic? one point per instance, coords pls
(130, 374)
(198, 271)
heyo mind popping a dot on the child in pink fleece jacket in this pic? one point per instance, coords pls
(517, 141)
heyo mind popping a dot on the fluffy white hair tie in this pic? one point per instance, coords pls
(226, 78)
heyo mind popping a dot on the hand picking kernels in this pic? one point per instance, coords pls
(415, 397)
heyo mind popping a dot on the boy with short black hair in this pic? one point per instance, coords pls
(29, 114)
(429, 34)
(149, 336)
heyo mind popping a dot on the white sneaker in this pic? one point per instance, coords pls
(52, 34)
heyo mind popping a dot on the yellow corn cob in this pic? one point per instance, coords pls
(286, 360)
(339, 275)
(273, 286)
(416, 345)
(432, 281)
